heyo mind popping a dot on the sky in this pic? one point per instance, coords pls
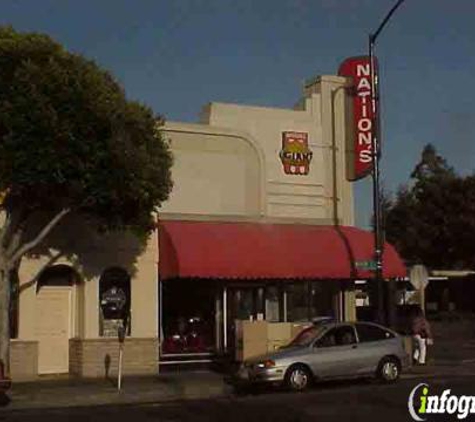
(178, 55)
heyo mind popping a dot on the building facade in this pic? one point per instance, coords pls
(258, 226)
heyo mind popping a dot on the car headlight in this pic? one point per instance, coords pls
(266, 364)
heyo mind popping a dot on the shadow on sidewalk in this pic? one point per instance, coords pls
(4, 399)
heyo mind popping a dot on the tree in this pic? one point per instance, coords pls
(432, 219)
(70, 142)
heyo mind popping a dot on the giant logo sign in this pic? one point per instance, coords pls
(360, 117)
(295, 153)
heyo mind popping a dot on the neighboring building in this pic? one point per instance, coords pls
(259, 225)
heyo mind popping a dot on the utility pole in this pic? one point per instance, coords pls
(376, 154)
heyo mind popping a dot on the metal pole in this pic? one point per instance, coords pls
(378, 244)
(218, 319)
(122, 332)
(225, 319)
(386, 19)
(119, 375)
(285, 304)
(160, 321)
(376, 149)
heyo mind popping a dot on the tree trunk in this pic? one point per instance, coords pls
(4, 314)
(11, 252)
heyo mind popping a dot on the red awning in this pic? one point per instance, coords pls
(256, 250)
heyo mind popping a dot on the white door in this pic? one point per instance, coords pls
(52, 329)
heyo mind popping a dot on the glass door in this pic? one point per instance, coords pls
(243, 303)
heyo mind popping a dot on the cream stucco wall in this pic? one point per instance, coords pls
(331, 90)
(323, 194)
(89, 254)
(216, 171)
(230, 166)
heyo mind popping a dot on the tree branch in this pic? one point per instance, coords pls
(38, 239)
(34, 279)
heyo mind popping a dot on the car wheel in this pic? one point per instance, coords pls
(389, 370)
(298, 378)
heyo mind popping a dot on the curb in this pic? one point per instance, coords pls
(16, 406)
(449, 372)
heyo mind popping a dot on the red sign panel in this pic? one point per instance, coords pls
(295, 153)
(361, 117)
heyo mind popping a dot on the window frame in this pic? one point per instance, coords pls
(337, 327)
(388, 335)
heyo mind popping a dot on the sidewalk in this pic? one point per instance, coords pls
(72, 392)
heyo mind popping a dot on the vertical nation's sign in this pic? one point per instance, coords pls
(360, 117)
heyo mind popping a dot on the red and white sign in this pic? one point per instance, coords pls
(359, 137)
(295, 153)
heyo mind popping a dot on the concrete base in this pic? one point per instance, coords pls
(23, 360)
(100, 357)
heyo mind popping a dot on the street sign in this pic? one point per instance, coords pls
(366, 265)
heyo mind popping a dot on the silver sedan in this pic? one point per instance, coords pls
(331, 350)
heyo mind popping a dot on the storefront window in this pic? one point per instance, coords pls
(272, 304)
(311, 299)
(322, 298)
(188, 318)
(298, 301)
(244, 303)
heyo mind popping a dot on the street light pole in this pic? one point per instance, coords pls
(376, 148)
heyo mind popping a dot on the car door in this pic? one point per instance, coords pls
(373, 344)
(335, 353)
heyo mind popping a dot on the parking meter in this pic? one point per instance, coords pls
(113, 303)
(121, 330)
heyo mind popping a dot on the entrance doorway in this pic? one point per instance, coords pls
(243, 303)
(53, 319)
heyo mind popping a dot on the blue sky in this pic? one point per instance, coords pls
(178, 55)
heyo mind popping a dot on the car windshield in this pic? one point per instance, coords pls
(307, 336)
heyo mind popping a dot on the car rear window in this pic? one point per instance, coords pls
(367, 332)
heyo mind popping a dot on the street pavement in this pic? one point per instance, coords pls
(76, 392)
(186, 385)
(205, 396)
(334, 401)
